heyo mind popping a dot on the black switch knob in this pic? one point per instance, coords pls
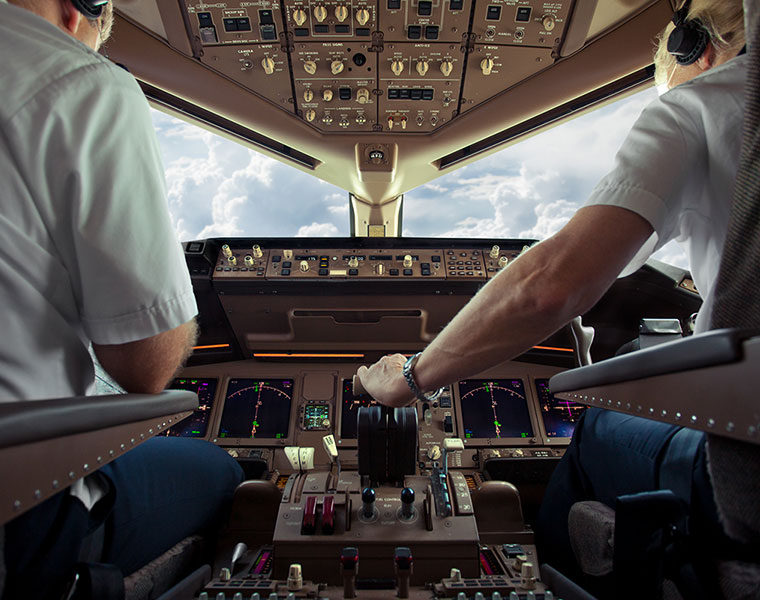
(368, 502)
(407, 503)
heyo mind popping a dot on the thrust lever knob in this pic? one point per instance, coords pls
(407, 503)
(368, 502)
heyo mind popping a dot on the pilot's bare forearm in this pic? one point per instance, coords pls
(536, 295)
(146, 366)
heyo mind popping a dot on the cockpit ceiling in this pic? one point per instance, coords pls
(375, 93)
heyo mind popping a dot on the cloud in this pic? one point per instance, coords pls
(317, 230)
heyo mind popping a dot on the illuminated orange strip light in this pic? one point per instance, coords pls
(258, 355)
(211, 347)
(553, 348)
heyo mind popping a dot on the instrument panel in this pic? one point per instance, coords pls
(377, 65)
(259, 407)
(402, 264)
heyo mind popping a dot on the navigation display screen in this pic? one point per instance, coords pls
(196, 424)
(257, 409)
(560, 416)
(494, 409)
(350, 409)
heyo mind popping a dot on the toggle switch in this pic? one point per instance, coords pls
(407, 503)
(368, 503)
(308, 95)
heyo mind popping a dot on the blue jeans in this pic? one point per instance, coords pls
(162, 491)
(610, 455)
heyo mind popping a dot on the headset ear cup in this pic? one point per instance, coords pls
(687, 42)
(92, 9)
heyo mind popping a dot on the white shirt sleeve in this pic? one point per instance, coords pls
(652, 171)
(111, 222)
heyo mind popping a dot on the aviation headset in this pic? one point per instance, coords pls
(689, 39)
(91, 9)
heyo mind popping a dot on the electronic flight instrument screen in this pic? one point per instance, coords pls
(560, 416)
(257, 409)
(196, 424)
(494, 409)
(350, 409)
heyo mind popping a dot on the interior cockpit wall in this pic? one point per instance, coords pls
(381, 96)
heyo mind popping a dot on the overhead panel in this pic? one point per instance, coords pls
(401, 66)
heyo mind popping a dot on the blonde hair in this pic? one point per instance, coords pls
(723, 20)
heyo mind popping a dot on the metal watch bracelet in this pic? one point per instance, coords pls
(407, 371)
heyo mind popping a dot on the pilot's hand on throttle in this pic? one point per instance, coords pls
(385, 382)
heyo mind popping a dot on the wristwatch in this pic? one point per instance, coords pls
(418, 393)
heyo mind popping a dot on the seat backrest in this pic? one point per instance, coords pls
(735, 466)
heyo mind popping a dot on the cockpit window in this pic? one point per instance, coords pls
(219, 188)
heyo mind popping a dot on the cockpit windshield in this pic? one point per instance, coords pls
(218, 188)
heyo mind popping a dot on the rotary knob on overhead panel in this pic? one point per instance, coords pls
(310, 115)
(287, 254)
(308, 95)
(341, 13)
(327, 119)
(268, 65)
(320, 13)
(337, 67)
(299, 16)
(548, 22)
(327, 95)
(231, 261)
(362, 16)
(486, 66)
(422, 67)
(407, 261)
(248, 260)
(380, 268)
(353, 262)
(362, 95)
(494, 253)
(397, 66)
(304, 265)
(503, 261)
(226, 250)
(446, 68)
(257, 251)
(310, 67)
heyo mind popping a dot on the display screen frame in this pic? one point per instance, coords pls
(211, 417)
(258, 442)
(498, 442)
(340, 440)
(548, 440)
